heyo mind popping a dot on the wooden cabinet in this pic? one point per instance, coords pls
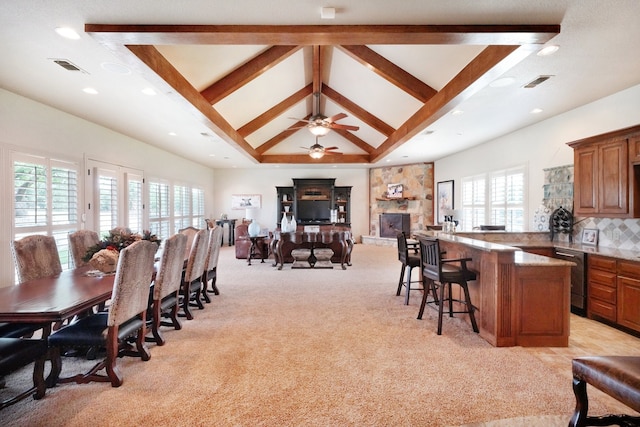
(544, 251)
(311, 201)
(607, 174)
(628, 307)
(602, 288)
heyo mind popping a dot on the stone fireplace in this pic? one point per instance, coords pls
(393, 223)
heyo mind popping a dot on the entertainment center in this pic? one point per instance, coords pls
(311, 201)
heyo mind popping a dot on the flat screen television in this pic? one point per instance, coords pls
(314, 210)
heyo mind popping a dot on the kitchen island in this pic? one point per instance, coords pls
(522, 299)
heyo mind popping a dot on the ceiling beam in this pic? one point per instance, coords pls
(390, 72)
(189, 97)
(274, 111)
(322, 34)
(488, 65)
(283, 135)
(247, 72)
(352, 138)
(358, 111)
(305, 159)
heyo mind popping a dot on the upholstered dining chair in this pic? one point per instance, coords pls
(211, 264)
(409, 262)
(126, 318)
(35, 257)
(16, 353)
(192, 277)
(190, 232)
(440, 273)
(79, 242)
(166, 286)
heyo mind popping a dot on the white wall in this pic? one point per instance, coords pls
(31, 127)
(264, 182)
(542, 145)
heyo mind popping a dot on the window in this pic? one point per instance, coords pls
(45, 200)
(181, 207)
(197, 210)
(496, 198)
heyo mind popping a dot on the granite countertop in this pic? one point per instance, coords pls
(522, 258)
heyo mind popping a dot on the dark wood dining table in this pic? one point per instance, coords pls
(56, 298)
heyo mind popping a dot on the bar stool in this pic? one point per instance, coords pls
(434, 270)
(408, 262)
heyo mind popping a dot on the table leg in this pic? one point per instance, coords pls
(252, 248)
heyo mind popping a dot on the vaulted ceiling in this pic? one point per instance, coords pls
(186, 77)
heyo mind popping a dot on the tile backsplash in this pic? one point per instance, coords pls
(612, 232)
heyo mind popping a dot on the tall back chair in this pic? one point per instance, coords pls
(79, 242)
(190, 232)
(166, 286)
(440, 273)
(409, 261)
(126, 318)
(192, 277)
(211, 263)
(36, 257)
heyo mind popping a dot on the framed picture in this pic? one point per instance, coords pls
(394, 191)
(590, 236)
(246, 201)
(444, 200)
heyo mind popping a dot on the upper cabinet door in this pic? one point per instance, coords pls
(585, 187)
(613, 175)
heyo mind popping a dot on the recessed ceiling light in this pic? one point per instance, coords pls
(548, 50)
(149, 91)
(502, 82)
(536, 111)
(457, 112)
(212, 155)
(90, 91)
(173, 133)
(115, 68)
(67, 33)
(328, 13)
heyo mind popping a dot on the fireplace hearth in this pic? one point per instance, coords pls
(393, 223)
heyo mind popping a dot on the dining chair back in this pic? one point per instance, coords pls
(192, 278)
(126, 319)
(79, 242)
(36, 257)
(190, 232)
(166, 286)
(211, 263)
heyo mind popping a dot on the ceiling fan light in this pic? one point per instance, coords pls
(319, 130)
(316, 154)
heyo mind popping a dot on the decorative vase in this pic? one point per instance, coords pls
(293, 225)
(254, 228)
(284, 224)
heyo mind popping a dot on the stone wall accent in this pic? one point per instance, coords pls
(418, 195)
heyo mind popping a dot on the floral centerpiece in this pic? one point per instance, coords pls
(104, 255)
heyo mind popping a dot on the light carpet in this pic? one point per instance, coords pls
(311, 348)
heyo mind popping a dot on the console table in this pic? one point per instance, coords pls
(340, 242)
(232, 225)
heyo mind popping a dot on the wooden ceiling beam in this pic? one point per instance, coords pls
(283, 135)
(177, 87)
(274, 111)
(488, 65)
(358, 111)
(352, 138)
(306, 159)
(247, 72)
(271, 35)
(390, 72)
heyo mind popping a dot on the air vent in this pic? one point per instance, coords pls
(537, 81)
(68, 65)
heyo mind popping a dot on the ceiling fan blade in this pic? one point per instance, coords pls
(331, 148)
(332, 152)
(336, 117)
(344, 127)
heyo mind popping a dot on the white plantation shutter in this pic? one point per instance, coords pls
(197, 207)
(181, 207)
(107, 200)
(135, 204)
(45, 200)
(505, 192)
(159, 216)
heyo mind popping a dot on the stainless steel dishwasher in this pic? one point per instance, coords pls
(578, 278)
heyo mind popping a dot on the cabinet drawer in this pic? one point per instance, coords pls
(602, 263)
(602, 277)
(602, 309)
(629, 269)
(604, 293)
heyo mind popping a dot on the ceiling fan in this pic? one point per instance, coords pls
(320, 125)
(317, 151)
